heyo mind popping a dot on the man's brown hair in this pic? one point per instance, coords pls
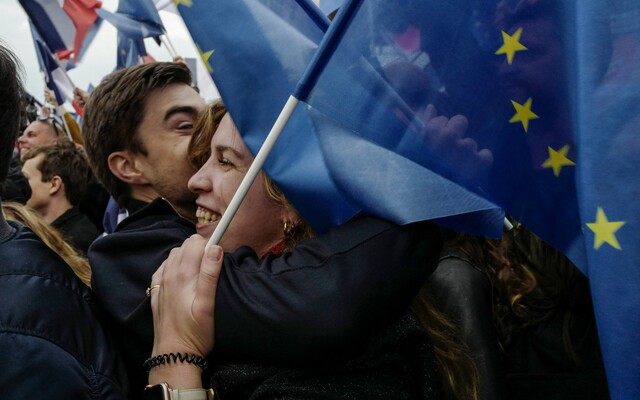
(114, 112)
(67, 161)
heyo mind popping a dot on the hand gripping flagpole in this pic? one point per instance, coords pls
(253, 171)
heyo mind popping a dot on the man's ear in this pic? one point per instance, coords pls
(123, 165)
(56, 185)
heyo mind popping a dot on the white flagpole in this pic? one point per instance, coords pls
(253, 171)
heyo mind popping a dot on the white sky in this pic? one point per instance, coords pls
(100, 58)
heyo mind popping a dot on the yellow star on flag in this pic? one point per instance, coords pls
(510, 45)
(523, 113)
(187, 3)
(205, 58)
(558, 159)
(604, 230)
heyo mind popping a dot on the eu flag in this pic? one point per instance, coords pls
(257, 51)
(531, 104)
(608, 116)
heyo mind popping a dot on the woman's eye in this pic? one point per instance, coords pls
(225, 162)
(185, 125)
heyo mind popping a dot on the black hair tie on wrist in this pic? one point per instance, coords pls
(175, 358)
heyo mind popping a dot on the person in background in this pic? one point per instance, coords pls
(44, 130)
(51, 341)
(58, 176)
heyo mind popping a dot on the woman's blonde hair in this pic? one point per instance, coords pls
(50, 236)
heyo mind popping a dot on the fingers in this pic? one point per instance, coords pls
(210, 269)
(430, 112)
(80, 96)
(49, 96)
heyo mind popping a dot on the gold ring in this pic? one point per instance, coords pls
(149, 289)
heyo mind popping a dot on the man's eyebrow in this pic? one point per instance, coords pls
(180, 109)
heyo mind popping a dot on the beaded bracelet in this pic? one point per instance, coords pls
(172, 357)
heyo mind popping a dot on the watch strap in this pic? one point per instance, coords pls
(191, 394)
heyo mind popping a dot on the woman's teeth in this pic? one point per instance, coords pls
(206, 216)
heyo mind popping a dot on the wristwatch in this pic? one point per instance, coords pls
(162, 391)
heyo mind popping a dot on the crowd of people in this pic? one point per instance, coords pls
(108, 290)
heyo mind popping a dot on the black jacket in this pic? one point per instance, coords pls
(464, 294)
(329, 295)
(51, 342)
(397, 364)
(77, 229)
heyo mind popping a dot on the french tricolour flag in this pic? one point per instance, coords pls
(64, 25)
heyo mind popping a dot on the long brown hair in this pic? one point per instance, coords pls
(50, 236)
(458, 372)
(531, 280)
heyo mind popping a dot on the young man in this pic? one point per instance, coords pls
(51, 341)
(58, 176)
(137, 126)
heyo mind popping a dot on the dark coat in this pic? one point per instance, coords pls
(465, 295)
(51, 342)
(77, 229)
(329, 295)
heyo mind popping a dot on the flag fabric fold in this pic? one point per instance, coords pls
(67, 27)
(85, 20)
(135, 19)
(55, 77)
(608, 115)
(52, 24)
(256, 75)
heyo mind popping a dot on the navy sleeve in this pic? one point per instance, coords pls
(34, 367)
(329, 295)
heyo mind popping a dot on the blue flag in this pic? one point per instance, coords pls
(136, 19)
(329, 6)
(608, 113)
(533, 105)
(257, 51)
(130, 51)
